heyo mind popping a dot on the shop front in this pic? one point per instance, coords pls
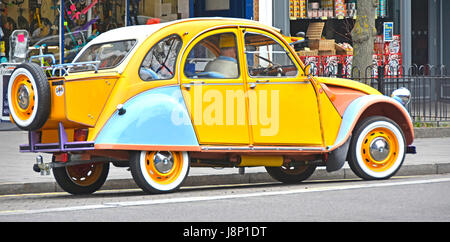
(409, 33)
(56, 30)
(43, 29)
(328, 25)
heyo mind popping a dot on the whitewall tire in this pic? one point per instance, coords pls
(377, 149)
(159, 171)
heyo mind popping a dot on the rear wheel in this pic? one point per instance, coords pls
(291, 174)
(82, 179)
(377, 149)
(29, 96)
(159, 171)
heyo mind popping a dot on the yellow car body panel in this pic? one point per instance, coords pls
(279, 105)
(217, 106)
(330, 118)
(85, 98)
(349, 84)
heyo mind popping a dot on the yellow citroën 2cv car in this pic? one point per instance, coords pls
(215, 92)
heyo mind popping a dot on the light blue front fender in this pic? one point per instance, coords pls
(157, 117)
(338, 151)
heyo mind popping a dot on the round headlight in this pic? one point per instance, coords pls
(402, 95)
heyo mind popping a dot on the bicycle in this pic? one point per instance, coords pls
(39, 27)
(22, 21)
(8, 24)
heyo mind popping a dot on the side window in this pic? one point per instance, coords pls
(160, 61)
(213, 57)
(267, 58)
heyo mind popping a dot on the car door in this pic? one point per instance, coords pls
(213, 88)
(283, 108)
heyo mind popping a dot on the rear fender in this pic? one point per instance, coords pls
(156, 119)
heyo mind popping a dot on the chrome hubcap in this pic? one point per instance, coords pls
(23, 97)
(379, 149)
(163, 161)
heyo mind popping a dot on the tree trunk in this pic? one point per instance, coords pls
(363, 35)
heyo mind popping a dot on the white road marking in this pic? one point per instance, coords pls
(221, 197)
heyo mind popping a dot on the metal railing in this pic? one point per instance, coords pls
(429, 86)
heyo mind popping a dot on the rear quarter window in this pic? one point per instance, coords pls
(109, 54)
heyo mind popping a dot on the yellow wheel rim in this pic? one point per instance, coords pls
(164, 167)
(23, 97)
(380, 149)
(86, 174)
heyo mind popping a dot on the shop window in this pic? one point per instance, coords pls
(266, 57)
(160, 61)
(213, 57)
(214, 5)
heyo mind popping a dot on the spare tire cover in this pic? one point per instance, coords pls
(29, 96)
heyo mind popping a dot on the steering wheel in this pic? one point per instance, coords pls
(272, 66)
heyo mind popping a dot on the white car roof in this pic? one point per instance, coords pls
(138, 32)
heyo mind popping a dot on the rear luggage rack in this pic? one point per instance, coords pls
(67, 66)
(62, 146)
(64, 67)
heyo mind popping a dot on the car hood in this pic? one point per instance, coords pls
(348, 84)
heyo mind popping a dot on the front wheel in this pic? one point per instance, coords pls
(159, 171)
(377, 149)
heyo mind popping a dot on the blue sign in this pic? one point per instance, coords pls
(388, 31)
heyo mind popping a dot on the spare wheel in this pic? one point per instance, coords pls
(29, 96)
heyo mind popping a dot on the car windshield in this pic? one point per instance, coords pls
(108, 55)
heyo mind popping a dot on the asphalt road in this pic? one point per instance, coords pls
(418, 198)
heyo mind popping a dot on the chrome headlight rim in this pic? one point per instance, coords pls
(402, 95)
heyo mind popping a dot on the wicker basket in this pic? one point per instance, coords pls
(322, 44)
(342, 51)
(308, 53)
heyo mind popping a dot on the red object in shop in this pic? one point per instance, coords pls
(153, 21)
(315, 64)
(347, 65)
(330, 65)
(387, 54)
(393, 47)
(393, 65)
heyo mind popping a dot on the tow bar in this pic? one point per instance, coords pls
(40, 166)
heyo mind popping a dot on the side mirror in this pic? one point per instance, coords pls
(301, 34)
(299, 44)
(308, 70)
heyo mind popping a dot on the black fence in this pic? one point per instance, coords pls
(429, 86)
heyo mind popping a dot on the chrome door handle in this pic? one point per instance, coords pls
(187, 86)
(252, 85)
